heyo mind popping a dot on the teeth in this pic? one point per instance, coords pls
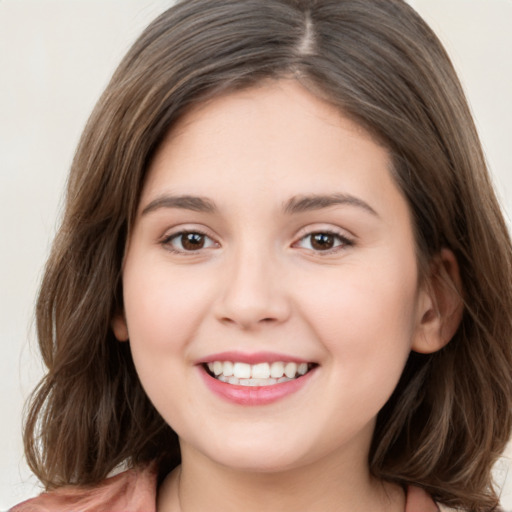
(261, 374)
(227, 369)
(277, 370)
(241, 370)
(260, 371)
(253, 382)
(290, 370)
(217, 367)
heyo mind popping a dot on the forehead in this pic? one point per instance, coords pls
(276, 133)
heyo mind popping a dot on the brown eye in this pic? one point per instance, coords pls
(188, 241)
(192, 241)
(322, 241)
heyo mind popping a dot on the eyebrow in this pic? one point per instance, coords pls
(313, 202)
(194, 203)
(297, 204)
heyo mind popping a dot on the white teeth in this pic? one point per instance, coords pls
(242, 370)
(260, 371)
(228, 369)
(261, 374)
(253, 382)
(277, 370)
(217, 367)
(290, 370)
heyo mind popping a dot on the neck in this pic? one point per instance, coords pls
(328, 485)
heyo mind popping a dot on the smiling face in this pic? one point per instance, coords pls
(270, 282)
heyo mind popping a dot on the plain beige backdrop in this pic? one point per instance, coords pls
(56, 57)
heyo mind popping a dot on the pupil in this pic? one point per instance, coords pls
(192, 241)
(322, 241)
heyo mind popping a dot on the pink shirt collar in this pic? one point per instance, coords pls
(135, 491)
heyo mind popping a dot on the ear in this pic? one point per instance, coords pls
(119, 327)
(440, 305)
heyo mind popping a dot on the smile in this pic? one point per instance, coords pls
(257, 375)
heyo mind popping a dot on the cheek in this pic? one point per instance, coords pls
(163, 311)
(162, 307)
(365, 317)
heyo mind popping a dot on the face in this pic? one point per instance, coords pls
(270, 282)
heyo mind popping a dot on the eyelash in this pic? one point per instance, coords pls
(343, 241)
(167, 241)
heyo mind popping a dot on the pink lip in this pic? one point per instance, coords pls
(255, 358)
(254, 395)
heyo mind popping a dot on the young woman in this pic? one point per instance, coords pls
(282, 279)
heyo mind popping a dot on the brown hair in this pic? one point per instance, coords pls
(450, 416)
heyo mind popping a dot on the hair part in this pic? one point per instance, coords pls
(376, 60)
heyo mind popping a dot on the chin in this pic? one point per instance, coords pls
(255, 455)
(264, 463)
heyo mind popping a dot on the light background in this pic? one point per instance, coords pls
(56, 56)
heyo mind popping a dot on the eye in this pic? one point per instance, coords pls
(188, 241)
(324, 241)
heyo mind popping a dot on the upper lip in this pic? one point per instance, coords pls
(252, 358)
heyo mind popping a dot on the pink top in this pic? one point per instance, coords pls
(135, 491)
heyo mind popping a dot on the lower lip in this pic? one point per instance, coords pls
(254, 395)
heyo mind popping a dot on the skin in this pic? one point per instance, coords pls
(257, 283)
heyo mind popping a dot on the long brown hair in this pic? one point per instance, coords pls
(450, 416)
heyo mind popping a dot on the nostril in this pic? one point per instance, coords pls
(246, 322)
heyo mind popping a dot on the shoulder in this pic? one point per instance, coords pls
(131, 491)
(419, 501)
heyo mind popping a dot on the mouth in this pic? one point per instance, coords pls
(257, 375)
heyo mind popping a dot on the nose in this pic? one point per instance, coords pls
(254, 292)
